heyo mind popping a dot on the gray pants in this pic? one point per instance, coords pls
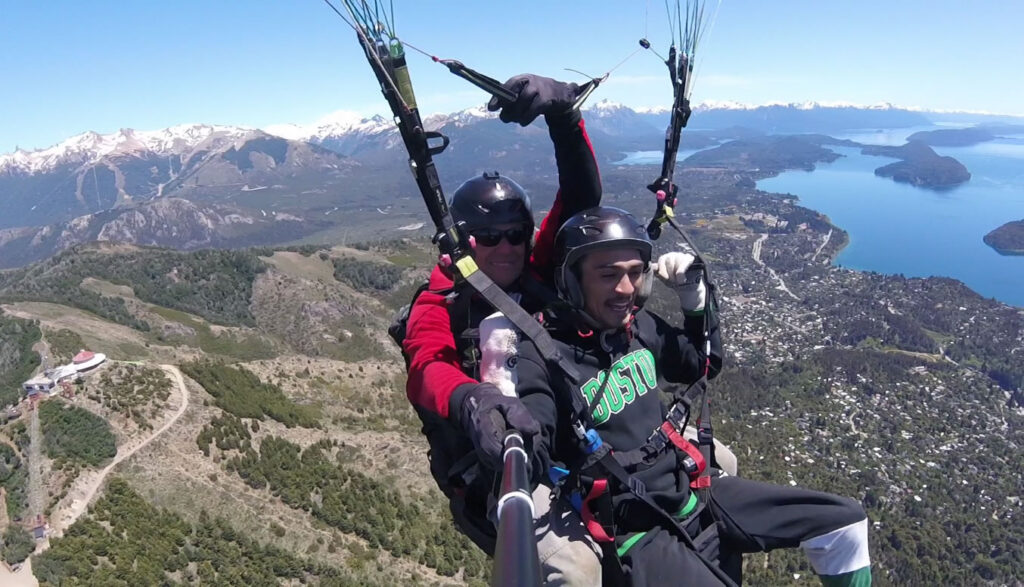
(569, 557)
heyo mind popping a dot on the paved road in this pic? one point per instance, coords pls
(825, 242)
(755, 252)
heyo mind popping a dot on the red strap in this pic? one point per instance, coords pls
(685, 446)
(593, 526)
(701, 482)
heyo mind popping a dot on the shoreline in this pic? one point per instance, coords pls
(846, 239)
(1007, 252)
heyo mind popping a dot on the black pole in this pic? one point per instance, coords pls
(516, 561)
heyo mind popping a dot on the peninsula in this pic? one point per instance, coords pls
(1008, 239)
(920, 166)
(964, 137)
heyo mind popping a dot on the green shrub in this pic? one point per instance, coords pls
(17, 544)
(366, 275)
(76, 435)
(241, 393)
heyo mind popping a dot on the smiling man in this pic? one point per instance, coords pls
(639, 487)
(464, 418)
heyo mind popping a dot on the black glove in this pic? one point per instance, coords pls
(485, 414)
(536, 95)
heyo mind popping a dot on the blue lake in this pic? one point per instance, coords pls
(651, 157)
(898, 229)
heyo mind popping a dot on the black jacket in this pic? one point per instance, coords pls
(653, 354)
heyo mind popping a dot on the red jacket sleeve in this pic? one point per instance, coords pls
(434, 365)
(579, 187)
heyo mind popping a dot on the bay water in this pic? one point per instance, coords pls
(897, 228)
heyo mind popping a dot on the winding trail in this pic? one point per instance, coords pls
(756, 254)
(853, 426)
(69, 513)
(87, 484)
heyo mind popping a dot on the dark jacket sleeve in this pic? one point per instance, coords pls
(538, 395)
(579, 186)
(680, 352)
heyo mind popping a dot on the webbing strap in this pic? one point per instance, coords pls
(595, 528)
(700, 463)
(613, 468)
(517, 315)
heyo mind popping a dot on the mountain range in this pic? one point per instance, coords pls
(237, 186)
(284, 448)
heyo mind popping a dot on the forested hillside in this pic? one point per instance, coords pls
(902, 393)
(17, 359)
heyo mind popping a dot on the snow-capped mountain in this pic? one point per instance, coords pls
(335, 124)
(343, 132)
(91, 172)
(806, 105)
(619, 120)
(90, 147)
(462, 118)
(347, 156)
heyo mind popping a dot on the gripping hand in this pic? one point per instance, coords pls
(677, 270)
(485, 414)
(536, 95)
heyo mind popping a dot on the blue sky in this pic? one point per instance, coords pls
(68, 67)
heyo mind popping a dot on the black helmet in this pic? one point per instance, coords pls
(491, 199)
(603, 227)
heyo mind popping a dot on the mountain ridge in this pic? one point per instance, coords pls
(344, 122)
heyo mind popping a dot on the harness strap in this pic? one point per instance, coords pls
(694, 464)
(518, 316)
(596, 529)
(636, 487)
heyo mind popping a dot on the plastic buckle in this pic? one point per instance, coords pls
(658, 439)
(557, 475)
(677, 416)
(704, 435)
(690, 467)
(637, 487)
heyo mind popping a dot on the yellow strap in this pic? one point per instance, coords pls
(466, 265)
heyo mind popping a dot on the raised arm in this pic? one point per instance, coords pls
(680, 351)
(579, 184)
(685, 350)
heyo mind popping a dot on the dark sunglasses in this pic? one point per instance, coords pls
(490, 237)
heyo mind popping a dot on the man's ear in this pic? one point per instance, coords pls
(646, 285)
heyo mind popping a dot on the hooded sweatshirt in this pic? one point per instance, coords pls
(638, 361)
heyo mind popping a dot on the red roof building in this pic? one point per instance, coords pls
(83, 356)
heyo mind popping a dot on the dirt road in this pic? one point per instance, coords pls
(86, 486)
